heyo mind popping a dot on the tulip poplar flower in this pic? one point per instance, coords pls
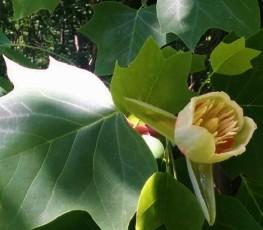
(212, 128)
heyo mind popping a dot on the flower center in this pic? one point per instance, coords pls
(219, 119)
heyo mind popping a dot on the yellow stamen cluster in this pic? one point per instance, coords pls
(219, 119)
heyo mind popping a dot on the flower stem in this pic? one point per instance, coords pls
(169, 159)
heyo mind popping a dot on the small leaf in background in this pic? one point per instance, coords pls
(153, 79)
(166, 202)
(246, 89)
(119, 32)
(190, 19)
(233, 58)
(23, 8)
(231, 214)
(64, 148)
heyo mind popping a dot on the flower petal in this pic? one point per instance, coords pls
(196, 143)
(241, 140)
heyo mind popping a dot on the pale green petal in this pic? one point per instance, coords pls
(196, 143)
(245, 134)
(213, 95)
(241, 140)
(185, 117)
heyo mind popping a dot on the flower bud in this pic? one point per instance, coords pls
(212, 128)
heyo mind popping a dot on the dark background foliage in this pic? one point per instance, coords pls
(56, 34)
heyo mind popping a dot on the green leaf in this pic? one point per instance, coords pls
(71, 221)
(23, 8)
(246, 90)
(233, 215)
(4, 42)
(119, 32)
(166, 202)
(250, 194)
(7, 50)
(64, 148)
(162, 121)
(233, 58)
(6, 85)
(198, 61)
(201, 176)
(153, 79)
(19, 58)
(190, 19)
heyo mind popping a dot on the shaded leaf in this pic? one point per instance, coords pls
(4, 42)
(231, 214)
(166, 202)
(190, 19)
(153, 79)
(233, 58)
(119, 32)
(250, 194)
(6, 49)
(64, 148)
(71, 221)
(24, 8)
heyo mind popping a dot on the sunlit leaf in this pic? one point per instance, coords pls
(233, 58)
(166, 202)
(153, 79)
(64, 148)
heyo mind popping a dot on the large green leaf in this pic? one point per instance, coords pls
(64, 148)
(233, 58)
(166, 202)
(24, 8)
(119, 32)
(154, 79)
(233, 215)
(190, 19)
(247, 90)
